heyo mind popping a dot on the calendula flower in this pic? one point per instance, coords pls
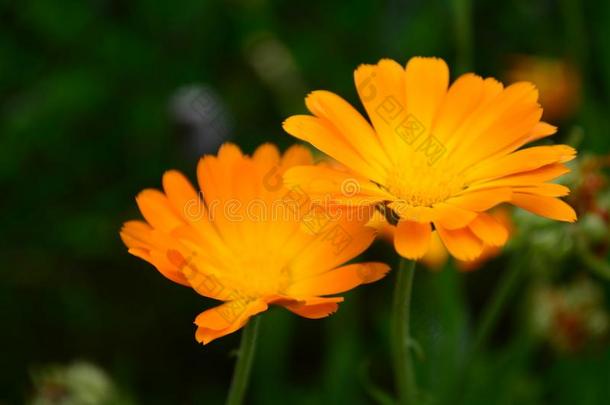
(249, 241)
(434, 157)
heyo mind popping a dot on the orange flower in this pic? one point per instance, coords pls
(249, 241)
(436, 157)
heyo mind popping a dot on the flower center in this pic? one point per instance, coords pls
(420, 184)
(263, 278)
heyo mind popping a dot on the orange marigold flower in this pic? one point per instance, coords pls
(436, 157)
(249, 241)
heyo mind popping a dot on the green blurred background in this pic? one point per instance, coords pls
(99, 97)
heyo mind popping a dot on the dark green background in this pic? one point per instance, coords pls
(85, 87)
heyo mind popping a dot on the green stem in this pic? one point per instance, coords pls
(462, 14)
(492, 314)
(245, 357)
(403, 363)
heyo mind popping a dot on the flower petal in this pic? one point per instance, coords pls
(348, 122)
(489, 230)
(327, 139)
(481, 200)
(461, 243)
(157, 210)
(426, 84)
(181, 194)
(324, 182)
(548, 207)
(226, 318)
(339, 280)
(452, 216)
(381, 90)
(314, 308)
(412, 239)
(296, 155)
(521, 161)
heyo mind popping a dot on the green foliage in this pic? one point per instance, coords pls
(85, 124)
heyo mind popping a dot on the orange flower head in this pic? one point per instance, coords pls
(434, 156)
(249, 241)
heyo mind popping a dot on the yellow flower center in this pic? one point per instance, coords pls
(259, 277)
(420, 184)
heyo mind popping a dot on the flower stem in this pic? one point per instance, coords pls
(245, 357)
(462, 16)
(403, 363)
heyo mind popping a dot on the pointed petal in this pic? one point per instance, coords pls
(548, 207)
(339, 280)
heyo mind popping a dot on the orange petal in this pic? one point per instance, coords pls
(266, 157)
(226, 318)
(548, 207)
(150, 245)
(327, 139)
(296, 155)
(451, 216)
(489, 230)
(493, 129)
(180, 193)
(426, 81)
(320, 181)
(521, 161)
(540, 130)
(437, 255)
(381, 90)
(352, 126)
(331, 241)
(339, 280)
(463, 97)
(546, 189)
(314, 308)
(481, 200)
(461, 243)
(412, 239)
(530, 178)
(157, 210)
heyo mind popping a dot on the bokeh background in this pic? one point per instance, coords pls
(99, 97)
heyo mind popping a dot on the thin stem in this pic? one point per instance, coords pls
(462, 15)
(245, 357)
(403, 362)
(492, 314)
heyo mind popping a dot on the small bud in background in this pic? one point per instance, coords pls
(558, 82)
(79, 383)
(570, 318)
(202, 119)
(274, 64)
(594, 226)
